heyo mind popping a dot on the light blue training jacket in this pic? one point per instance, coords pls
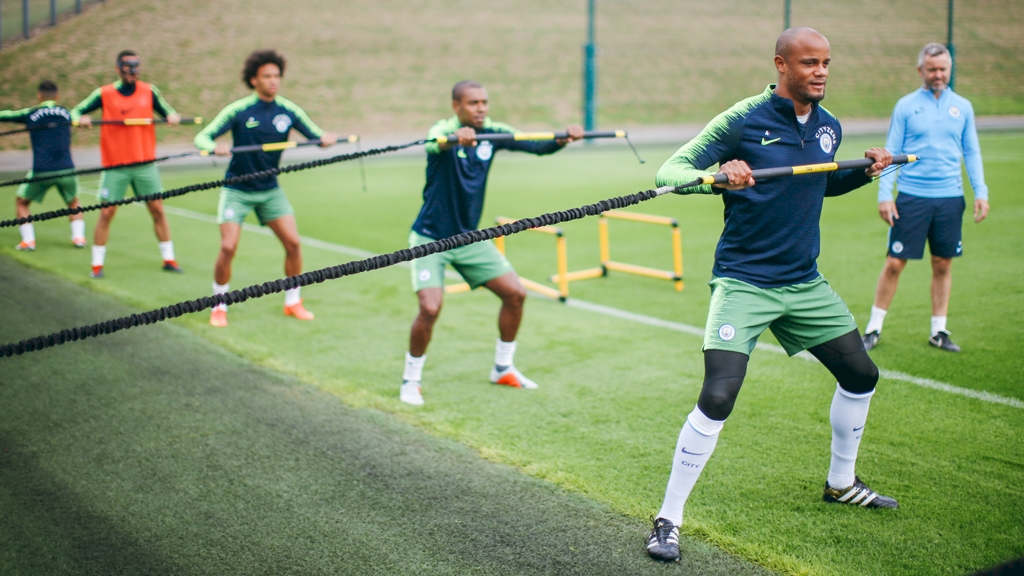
(941, 131)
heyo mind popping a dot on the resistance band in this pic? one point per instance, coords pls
(385, 260)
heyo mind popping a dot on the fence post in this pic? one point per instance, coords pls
(590, 72)
(24, 18)
(951, 47)
(53, 13)
(78, 6)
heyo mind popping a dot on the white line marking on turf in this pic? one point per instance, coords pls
(634, 317)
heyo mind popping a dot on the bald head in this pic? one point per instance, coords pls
(799, 36)
(802, 56)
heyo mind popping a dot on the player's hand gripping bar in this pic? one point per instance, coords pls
(278, 146)
(766, 173)
(141, 121)
(539, 137)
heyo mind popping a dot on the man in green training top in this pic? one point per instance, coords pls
(50, 130)
(453, 199)
(261, 118)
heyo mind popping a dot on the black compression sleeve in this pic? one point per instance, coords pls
(723, 375)
(847, 360)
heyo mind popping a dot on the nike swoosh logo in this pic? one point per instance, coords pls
(685, 451)
(461, 154)
(856, 429)
(767, 142)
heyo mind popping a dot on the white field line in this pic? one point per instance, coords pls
(634, 317)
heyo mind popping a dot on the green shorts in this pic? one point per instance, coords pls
(269, 205)
(36, 191)
(800, 316)
(477, 263)
(145, 180)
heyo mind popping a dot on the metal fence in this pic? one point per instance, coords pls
(19, 17)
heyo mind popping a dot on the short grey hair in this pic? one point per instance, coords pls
(931, 49)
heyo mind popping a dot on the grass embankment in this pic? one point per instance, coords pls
(386, 67)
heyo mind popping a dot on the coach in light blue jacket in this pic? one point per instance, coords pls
(936, 124)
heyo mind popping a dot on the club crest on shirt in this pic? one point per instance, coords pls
(826, 139)
(727, 332)
(424, 275)
(282, 122)
(897, 247)
(954, 111)
(485, 150)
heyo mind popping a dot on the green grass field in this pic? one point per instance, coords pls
(615, 392)
(386, 67)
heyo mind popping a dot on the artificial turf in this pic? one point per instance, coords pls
(159, 453)
(614, 393)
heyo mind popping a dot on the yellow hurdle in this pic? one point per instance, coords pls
(675, 275)
(563, 264)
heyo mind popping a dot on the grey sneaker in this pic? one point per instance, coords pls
(943, 341)
(871, 339)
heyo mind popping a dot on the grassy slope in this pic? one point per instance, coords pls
(385, 67)
(615, 393)
(157, 453)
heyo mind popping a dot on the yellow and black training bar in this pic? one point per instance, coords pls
(142, 121)
(540, 137)
(532, 136)
(766, 173)
(278, 146)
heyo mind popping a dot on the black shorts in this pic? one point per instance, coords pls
(939, 220)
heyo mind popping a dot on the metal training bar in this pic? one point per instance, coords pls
(532, 136)
(277, 146)
(766, 173)
(141, 122)
(541, 136)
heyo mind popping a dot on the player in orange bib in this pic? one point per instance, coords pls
(120, 144)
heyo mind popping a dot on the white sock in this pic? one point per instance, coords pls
(848, 414)
(167, 250)
(221, 289)
(504, 352)
(28, 232)
(696, 442)
(98, 254)
(292, 297)
(875, 322)
(938, 324)
(77, 229)
(413, 367)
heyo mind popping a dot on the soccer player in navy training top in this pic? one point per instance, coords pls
(261, 118)
(50, 127)
(453, 199)
(765, 273)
